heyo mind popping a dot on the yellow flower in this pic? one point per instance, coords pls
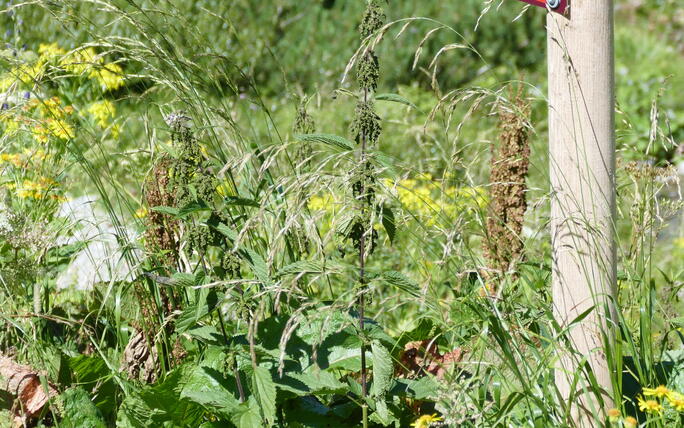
(13, 158)
(52, 108)
(141, 212)
(6, 82)
(426, 420)
(676, 400)
(115, 130)
(102, 111)
(50, 50)
(613, 415)
(110, 76)
(630, 422)
(649, 406)
(55, 128)
(659, 392)
(321, 203)
(80, 61)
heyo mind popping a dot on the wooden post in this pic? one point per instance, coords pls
(582, 168)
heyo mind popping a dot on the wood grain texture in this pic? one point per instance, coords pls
(582, 168)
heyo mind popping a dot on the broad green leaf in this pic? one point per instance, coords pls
(240, 201)
(210, 389)
(265, 392)
(383, 414)
(247, 415)
(329, 139)
(226, 231)
(193, 207)
(172, 211)
(321, 382)
(383, 369)
(207, 334)
(388, 223)
(207, 301)
(160, 405)
(93, 374)
(402, 282)
(258, 265)
(304, 266)
(395, 98)
(182, 279)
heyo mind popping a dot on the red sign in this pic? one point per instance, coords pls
(555, 5)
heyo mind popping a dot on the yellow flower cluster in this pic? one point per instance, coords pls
(321, 202)
(13, 158)
(659, 396)
(39, 189)
(20, 160)
(53, 128)
(80, 61)
(102, 111)
(83, 61)
(427, 198)
(110, 76)
(426, 421)
(50, 108)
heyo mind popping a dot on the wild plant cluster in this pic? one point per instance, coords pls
(183, 245)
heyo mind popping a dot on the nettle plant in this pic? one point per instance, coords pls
(235, 334)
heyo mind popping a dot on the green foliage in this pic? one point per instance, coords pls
(287, 268)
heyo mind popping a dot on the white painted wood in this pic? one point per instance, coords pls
(582, 168)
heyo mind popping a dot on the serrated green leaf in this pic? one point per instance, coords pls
(182, 279)
(207, 301)
(321, 382)
(395, 98)
(239, 201)
(193, 207)
(383, 369)
(401, 281)
(265, 391)
(172, 211)
(329, 139)
(258, 265)
(226, 231)
(210, 389)
(388, 223)
(247, 415)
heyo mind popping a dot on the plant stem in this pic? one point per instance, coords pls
(362, 276)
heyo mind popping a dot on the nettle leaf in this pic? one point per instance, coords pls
(210, 389)
(182, 279)
(389, 223)
(160, 405)
(383, 369)
(309, 266)
(193, 207)
(329, 139)
(225, 231)
(258, 265)
(302, 266)
(321, 382)
(240, 201)
(265, 391)
(384, 415)
(207, 334)
(172, 211)
(207, 301)
(401, 281)
(395, 98)
(247, 415)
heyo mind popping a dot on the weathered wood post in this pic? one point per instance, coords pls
(582, 168)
